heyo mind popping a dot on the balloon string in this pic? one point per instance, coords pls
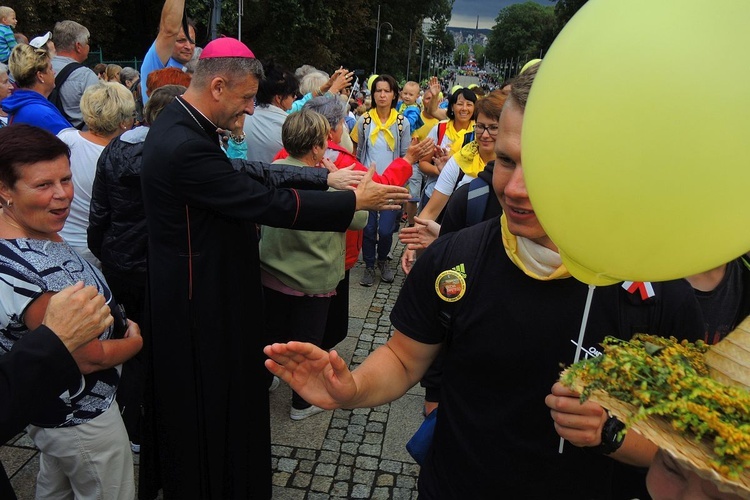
(579, 345)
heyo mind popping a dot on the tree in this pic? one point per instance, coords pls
(324, 33)
(521, 32)
(564, 10)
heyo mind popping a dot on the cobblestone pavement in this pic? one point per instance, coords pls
(335, 454)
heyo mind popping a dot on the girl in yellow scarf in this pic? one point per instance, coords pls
(470, 159)
(381, 137)
(461, 113)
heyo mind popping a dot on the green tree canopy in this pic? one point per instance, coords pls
(523, 31)
(324, 33)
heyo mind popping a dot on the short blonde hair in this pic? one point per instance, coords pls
(303, 130)
(105, 106)
(25, 62)
(5, 12)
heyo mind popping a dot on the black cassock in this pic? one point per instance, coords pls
(207, 402)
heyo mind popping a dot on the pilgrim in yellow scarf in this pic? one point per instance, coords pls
(470, 160)
(535, 260)
(457, 136)
(377, 126)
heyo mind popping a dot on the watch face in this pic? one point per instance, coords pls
(612, 433)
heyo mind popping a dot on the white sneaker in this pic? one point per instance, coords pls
(274, 384)
(296, 414)
(136, 448)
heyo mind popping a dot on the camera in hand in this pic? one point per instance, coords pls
(121, 320)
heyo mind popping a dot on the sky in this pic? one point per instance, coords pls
(465, 12)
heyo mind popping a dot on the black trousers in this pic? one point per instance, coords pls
(296, 318)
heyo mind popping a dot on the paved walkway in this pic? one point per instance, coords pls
(335, 454)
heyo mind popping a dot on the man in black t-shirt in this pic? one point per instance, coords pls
(510, 322)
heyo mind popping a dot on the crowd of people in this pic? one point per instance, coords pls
(177, 239)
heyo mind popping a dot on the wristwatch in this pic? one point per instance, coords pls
(612, 436)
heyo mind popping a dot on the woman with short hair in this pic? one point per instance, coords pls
(108, 110)
(301, 269)
(32, 70)
(84, 447)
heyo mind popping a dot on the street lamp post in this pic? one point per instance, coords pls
(421, 61)
(377, 40)
(408, 58)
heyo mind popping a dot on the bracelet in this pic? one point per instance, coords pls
(237, 138)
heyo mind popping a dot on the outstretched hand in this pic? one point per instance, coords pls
(374, 196)
(340, 79)
(322, 378)
(343, 178)
(434, 85)
(421, 235)
(418, 149)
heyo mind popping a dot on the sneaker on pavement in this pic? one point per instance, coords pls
(274, 384)
(296, 414)
(368, 277)
(386, 273)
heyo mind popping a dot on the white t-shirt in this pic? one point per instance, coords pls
(430, 180)
(446, 182)
(83, 157)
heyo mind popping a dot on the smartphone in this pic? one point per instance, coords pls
(121, 320)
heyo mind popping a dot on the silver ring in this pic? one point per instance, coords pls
(390, 202)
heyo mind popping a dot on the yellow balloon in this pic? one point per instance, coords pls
(636, 139)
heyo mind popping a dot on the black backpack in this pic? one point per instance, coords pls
(61, 77)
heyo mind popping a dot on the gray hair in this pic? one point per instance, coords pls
(231, 68)
(67, 33)
(312, 81)
(128, 73)
(303, 70)
(3, 69)
(328, 106)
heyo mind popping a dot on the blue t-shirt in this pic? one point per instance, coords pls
(151, 62)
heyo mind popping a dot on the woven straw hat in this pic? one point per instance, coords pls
(729, 363)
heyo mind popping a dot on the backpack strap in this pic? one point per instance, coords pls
(400, 125)
(61, 77)
(476, 201)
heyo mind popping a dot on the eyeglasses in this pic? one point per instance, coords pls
(480, 129)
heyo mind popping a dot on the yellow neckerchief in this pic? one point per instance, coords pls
(533, 259)
(457, 137)
(378, 126)
(470, 160)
